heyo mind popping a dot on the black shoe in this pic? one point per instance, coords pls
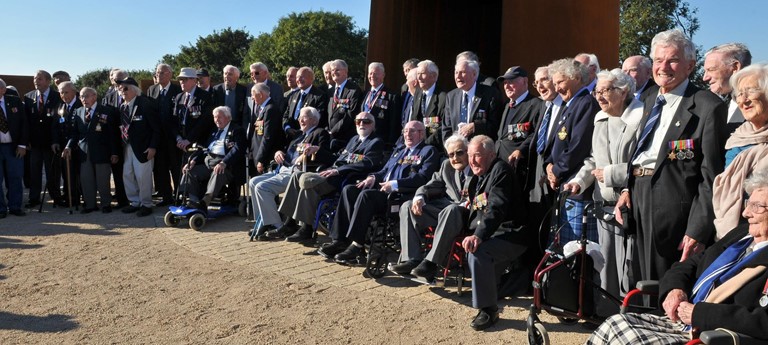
(18, 213)
(261, 233)
(144, 211)
(487, 317)
(404, 268)
(304, 234)
(335, 247)
(281, 232)
(32, 203)
(426, 269)
(130, 209)
(88, 210)
(106, 209)
(288, 228)
(351, 256)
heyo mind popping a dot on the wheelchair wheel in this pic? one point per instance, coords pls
(376, 262)
(567, 320)
(197, 222)
(538, 335)
(170, 219)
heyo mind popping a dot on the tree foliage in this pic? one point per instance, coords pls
(310, 39)
(213, 52)
(640, 20)
(99, 79)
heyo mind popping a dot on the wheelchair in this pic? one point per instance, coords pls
(384, 238)
(456, 269)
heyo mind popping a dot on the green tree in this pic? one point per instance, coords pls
(213, 52)
(310, 39)
(99, 78)
(640, 20)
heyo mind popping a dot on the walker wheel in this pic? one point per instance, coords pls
(538, 335)
(170, 219)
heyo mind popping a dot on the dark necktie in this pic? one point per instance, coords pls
(464, 108)
(125, 120)
(511, 103)
(230, 100)
(727, 98)
(87, 115)
(40, 104)
(647, 132)
(336, 96)
(424, 105)
(3, 120)
(298, 105)
(162, 93)
(541, 139)
(462, 179)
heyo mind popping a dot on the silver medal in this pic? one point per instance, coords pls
(763, 301)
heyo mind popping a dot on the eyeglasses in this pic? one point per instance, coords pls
(412, 130)
(363, 121)
(755, 207)
(542, 82)
(124, 88)
(457, 153)
(750, 92)
(600, 93)
(255, 73)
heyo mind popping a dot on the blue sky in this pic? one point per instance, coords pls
(79, 36)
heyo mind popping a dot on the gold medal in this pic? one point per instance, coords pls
(562, 134)
(98, 127)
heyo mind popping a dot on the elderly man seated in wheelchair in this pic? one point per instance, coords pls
(362, 155)
(441, 204)
(223, 163)
(409, 168)
(310, 149)
(726, 286)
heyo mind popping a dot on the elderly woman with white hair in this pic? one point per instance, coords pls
(746, 149)
(615, 132)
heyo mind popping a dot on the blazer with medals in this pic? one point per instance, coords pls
(144, 128)
(410, 170)
(385, 107)
(482, 110)
(521, 119)
(741, 312)
(235, 144)
(62, 125)
(571, 137)
(165, 105)
(322, 159)
(220, 99)
(445, 183)
(358, 160)
(194, 120)
(433, 112)
(494, 201)
(96, 138)
(315, 98)
(343, 109)
(682, 189)
(18, 126)
(41, 118)
(265, 134)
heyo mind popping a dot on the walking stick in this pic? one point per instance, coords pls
(69, 186)
(42, 199)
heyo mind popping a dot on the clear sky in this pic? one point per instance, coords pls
(80, 36)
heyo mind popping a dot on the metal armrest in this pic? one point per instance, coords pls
(723, 336)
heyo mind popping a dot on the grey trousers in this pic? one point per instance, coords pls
(303, 195)
(451, 221)
(412, 226)
(487, 264)
(264, 189)
(137, 177)
(202, 175)
(95, 177)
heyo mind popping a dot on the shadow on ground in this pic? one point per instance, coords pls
(12, 243)
(39, 324)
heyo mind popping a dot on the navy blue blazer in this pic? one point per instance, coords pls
(241, 94)
(357, 160)
(40, 122)
(498, 187)
(571, 136)
(265, 133)
(198, 114)
(17, 120)
(523, 114)
(483, 111)
(410, 175)
(386, 108)
(62, 124)
(165, 104)
(144, 130)
(342, 112)
(318, 137)
(100, 136)
(316, 98)
(235, 145)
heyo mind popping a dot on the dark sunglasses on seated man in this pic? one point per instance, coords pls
(363, 121)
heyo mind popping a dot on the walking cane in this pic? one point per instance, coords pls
(69, 186)
(42, 199)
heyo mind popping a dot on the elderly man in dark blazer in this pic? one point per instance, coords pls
(14, 135)
(140, 133)
(41, 106)
(310, 150)
(232, 95)
(471, 108)
(437, 204)
(164, 92)
(723, 287)
(363, 155)
(61, 127)
(265, 134)
(343, 106)
(495, 199)
(430, 101)
(307, 96)
(94, 135)
(409, 168)
(675, 161)
(224, 162)
(383, 104)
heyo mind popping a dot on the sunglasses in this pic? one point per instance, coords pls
(124, 88)
(457, 153)
(363, 121)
